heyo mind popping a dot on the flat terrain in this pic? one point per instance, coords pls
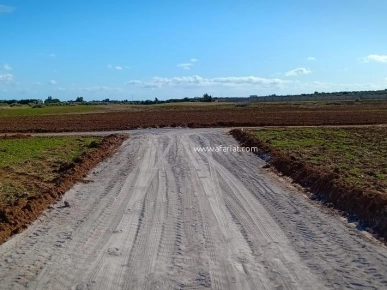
(125, 117)
(48, 110)
(159, 215)
(356, 155)
(79, 108)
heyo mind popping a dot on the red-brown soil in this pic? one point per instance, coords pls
(230, 117)
(368, 206)
(14, 218)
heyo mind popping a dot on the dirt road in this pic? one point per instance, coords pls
(159, 215)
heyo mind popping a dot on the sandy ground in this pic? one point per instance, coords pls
(158, 215)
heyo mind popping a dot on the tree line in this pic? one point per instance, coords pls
(53, 101)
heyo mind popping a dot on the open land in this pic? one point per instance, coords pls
(357, 156)
(125, 117)
(159, 214)
(35, 171)
(344, 167)
(28, 164)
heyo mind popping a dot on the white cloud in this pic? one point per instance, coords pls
(6, 9)
(116, 67)
(311, 58)
(186, 66)
(251, 80)
(37, 83)
(52, 55)
(6, 78)
(190, 81)
(376, 57)
(303, 87)
(98, 89)
(134, 82)
(7, 67)
(92, 89)
(52, 82)
(247, 85)
(298, 72)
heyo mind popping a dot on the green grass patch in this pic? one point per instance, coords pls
(48, 110)
(39, 110)
(358, 155)
(29, 164)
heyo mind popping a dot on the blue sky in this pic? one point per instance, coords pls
(174, 49)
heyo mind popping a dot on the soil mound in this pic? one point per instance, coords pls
(16, 217)
(369, 207)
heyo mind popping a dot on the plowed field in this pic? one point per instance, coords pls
(263, 115)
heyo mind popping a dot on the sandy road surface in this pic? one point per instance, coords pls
(159, 215)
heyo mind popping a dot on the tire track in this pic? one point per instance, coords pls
(159, 215)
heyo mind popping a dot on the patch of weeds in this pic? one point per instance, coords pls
(357, 155)
(29, 164)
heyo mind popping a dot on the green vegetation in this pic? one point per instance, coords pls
(37, 110)
(357, 155)
(63, 149)
(29, 164)
(51, 106)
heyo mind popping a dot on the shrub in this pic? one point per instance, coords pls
(38, 106)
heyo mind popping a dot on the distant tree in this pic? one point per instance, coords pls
(27, 101)
(156, 100)
(207, 98)
(79, 99)
(50, 100)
